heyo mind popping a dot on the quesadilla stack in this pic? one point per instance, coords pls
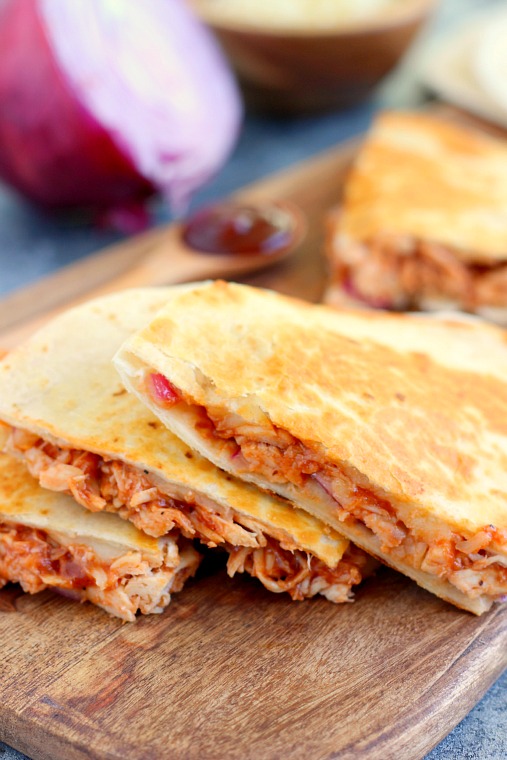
(422, 224)
(49, 541)
(391, 429)
(67, 416)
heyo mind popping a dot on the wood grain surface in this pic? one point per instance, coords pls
(229, 670)
(232, 671)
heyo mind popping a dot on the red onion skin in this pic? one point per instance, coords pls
(41, 162)
(374, 303)
(164, 392)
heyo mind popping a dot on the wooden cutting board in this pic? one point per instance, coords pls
(229, 670)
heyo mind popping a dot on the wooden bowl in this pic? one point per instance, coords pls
(295, 72)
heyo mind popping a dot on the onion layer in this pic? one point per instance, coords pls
(103, 102)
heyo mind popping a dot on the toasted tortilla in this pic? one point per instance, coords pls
(61, 385)
(426, 177)
(107, 561)
(422, 223)
(411, 411)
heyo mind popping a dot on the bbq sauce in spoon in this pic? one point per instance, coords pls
(236, 229)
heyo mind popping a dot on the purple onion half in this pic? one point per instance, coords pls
(104, 102)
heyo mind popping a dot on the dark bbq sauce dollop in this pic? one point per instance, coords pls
(240, 229)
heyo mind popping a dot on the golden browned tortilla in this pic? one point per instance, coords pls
(422, 224)
(67, 415)
(391, 429)
(48, 541)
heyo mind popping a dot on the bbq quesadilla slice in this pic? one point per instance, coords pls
(67, 416)
(422, 224)
(391, 429)
(48, 541)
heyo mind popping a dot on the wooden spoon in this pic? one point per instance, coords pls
(158, 257)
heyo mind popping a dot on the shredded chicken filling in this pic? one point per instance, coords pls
(399, 272)
(298, 573)
(99, 484)
(29, 556)
(467, 563)
(123, 586)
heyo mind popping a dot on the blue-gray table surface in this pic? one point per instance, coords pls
(33, 244)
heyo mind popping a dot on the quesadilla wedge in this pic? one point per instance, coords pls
(67, 416)
(391, 429)
(49, 541)
(422, 224)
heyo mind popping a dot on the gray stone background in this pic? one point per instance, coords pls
(33, 244)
